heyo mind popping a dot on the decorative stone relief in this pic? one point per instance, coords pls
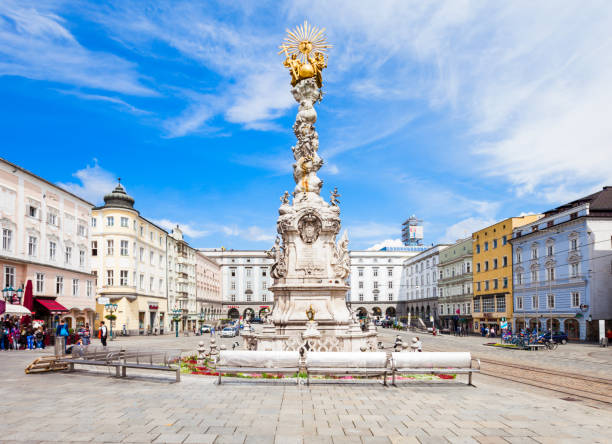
(309, 227)
(342, 261)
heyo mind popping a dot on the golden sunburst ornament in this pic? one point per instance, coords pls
(304, 50)
(303, 40)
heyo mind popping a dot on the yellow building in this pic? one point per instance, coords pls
(492, 276)
(128, 257)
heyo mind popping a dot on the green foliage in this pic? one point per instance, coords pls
(111, 317)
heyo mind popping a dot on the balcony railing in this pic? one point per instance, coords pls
(578, 280)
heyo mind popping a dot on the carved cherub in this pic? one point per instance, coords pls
(334, 195)
(285, 198)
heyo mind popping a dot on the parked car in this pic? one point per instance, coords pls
(228, 332)
(558, 336)
(256, 321)
(205, 328)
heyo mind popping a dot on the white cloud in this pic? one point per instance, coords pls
(252, 233)
(95, 182)
(387, 243)
(122, 103)
(187, 229)
(464, 228)
(34, 43)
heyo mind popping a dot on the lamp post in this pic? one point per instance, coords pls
(176, 317)
(111, 308)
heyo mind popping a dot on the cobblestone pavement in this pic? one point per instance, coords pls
(92, 406)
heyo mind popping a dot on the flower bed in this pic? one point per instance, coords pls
(190, 366)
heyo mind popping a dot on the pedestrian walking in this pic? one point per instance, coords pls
(39, 336)
(419, 344)
(414, 347)
(103, 333)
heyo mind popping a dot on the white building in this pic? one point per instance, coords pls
(128, 255)
(376, 281)
(421, 284)
(245, 281)
(45, 238)
(208, 287)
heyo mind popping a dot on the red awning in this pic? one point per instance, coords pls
(51, 305)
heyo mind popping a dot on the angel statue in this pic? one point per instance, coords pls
(277, 252)
(285, 198)
(334, 195)
(342, 261)
(304, 49)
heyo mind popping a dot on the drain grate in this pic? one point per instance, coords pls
(570, 399)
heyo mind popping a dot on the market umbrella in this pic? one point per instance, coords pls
(18, 310)
(28, 299)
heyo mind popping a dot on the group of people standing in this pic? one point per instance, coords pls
(15, 335)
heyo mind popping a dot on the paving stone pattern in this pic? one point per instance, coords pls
(94, 407)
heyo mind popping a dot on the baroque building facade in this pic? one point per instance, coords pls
(45, 237)
(376, 280)
(563, 269)
(421, 285)
(455, 286)
(245, 282)
(492, 273)
(128, 255)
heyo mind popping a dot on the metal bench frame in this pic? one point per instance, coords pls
(348, 371)
(257, 370)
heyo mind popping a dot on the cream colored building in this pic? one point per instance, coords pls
(44, 239)
(128, 256)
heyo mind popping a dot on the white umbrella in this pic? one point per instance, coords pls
(20, 310)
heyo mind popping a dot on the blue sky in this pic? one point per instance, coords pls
(461, 112)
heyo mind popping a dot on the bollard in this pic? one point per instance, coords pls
(60, 345)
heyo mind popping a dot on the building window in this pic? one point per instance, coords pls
(486, 285)
(81, 230)
(501, 303)
(94, 248)
(488, 304)
(75, 287)
(551, 301)
(141, 231)
(375, 284)
(264, 297)
(40, 283)
(468, 268)
(141, 282)
(94, 221)
(504, 240)
(32, 245)
(375, 272)
(360, 272)
(264, 271)
(495, 285)
(478, 267)
(59, 285)
(125, 245)
(233, 298)
(494, 243)
(161, 285)
(505, 282)
(52, 218)
(575, 299)
(574, 270)
(233, 272)
(124, 222)
(494, 264)
(151, 235)
(52, 250)
(82, 258)
(477, 248)
(89, 289)
(534, 252)
(550, 272)
(360, 297)
(9, 276)
(248, 297)
(110, 247)
(534, 301)
(549, 250)
(486, 246)
(534, 275)
(7, 239)
(519, 302)
(360, 284)
(477, 305)
(390, 272)
(375, 297)
(68, 255)
(249, 285)
(151, 284)
(519, 257)
(95, 274)
(264, 285)
(390, 295)
(110, 221)
(110, 278)
(390, 284)
(505, 261)
(249, 272)
(477, 286)
(142, 251)
(574, 244)
(123, 278)
(32, 211)
(233, 285)
(486, 266)
(151, 257)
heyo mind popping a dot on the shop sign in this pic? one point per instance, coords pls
(153, 307)
(232, 306)
(103, 300)
(264, 306)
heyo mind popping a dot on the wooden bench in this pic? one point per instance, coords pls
(347, 363)
(433, 363)
(238, 361)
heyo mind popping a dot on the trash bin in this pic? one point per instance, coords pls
(60, 345)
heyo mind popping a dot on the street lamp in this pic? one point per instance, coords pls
(177, 312)
(111, 308)
(8, 293)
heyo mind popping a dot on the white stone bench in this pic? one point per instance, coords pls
(238, 361)
(433, 363)
(347, 363)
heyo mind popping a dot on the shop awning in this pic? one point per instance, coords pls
(18, 310)
(51, 305)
